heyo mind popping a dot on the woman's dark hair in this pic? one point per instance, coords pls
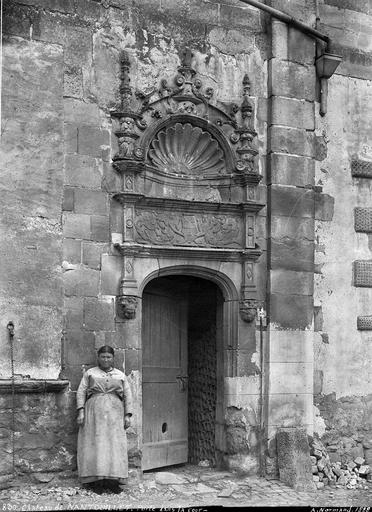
(106, 348)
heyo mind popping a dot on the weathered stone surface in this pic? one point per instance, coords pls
(99, 314)
(81, 282)
(94, 202)
(112, 268)
(73, 313)
(301, 48)
(324, 207)
(291, 311)
(291, 80)
(68, 199)
(291, 170)
(291, 201)
(82, 171)
(291, 140)
(293, 255)
(90, 140)
(92, 253)
(294, 458)
(79, 347)
(76, 226)
(100, 231)
(70, 138)
(293, 113)
(292, 282)
(72, 250)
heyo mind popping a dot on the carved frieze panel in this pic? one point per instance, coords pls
(363, 273)
(190, 229)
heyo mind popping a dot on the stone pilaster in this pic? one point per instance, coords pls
(291, 146)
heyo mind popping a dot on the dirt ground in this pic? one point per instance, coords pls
(181, 487)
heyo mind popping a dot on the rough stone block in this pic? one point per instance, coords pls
(291, 80)
(72, 250)
(301, 48)
(93, 202)
(76, 226)
(294, 228)
(70, 138)
(292, 255)
(17, 19)
(82, 171)
(293, 113)
(128, 334)
(291, 311)
(73, 313)
(100, 231)
(240, 16)
(287, 346)
(279, 43)
(92, 254)
(112, 268)
(68, 199)
(291, 140)
(363, 220)
(324, 207)
(73, 83)
(291, 201)
(291, 170)
(291, 377)
(318, 318)
(90, 140)
(81, 282)
(76, 110)
(294, 459)
(74, 373)
(132, 360)
(291, 282)
(79, 347)
(99, 314)
(192, 10)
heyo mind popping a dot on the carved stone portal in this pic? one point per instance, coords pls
(190, 176)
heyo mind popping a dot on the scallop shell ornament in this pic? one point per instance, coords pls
(186, 150)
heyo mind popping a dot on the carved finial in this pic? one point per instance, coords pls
(187, 55)
(246, 104)
(125, 88)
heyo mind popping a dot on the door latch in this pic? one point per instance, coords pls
(182, 382)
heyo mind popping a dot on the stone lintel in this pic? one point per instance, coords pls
(32, 386)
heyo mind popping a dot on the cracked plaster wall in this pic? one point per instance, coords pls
(342, 354)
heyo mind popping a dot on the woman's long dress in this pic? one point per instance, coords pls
(102, 440)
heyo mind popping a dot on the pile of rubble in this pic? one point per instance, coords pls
(352, 474)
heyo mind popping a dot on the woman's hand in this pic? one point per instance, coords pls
(127, 421)
(80, 418)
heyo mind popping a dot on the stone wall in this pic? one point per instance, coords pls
(342, 352)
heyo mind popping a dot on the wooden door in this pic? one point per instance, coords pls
(164, 389)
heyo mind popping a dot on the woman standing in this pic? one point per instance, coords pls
(104, 410)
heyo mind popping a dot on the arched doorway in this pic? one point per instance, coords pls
(182, 320)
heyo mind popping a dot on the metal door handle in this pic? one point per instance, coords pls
(182, 382)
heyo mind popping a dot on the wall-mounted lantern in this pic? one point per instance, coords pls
(326, 65)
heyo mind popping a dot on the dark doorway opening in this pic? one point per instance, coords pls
(187, 421)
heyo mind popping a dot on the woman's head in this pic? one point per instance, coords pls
(106, 357)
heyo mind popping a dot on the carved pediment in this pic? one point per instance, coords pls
(177, 130)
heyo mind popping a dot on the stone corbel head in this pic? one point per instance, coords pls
(248, 309)
(127, 306)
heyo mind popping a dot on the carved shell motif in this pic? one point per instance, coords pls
(186, 149)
